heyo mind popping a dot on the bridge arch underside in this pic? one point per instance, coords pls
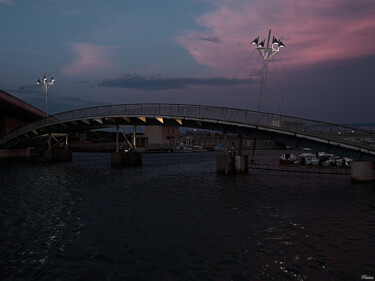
(295, 139)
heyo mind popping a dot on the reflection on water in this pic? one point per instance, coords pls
(174, 218)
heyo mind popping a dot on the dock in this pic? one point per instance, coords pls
(301, 169)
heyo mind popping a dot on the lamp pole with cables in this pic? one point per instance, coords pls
(44, 83)
(266, 53)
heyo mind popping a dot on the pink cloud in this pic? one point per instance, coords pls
(7, 2)
(89, 59)
(313, 31)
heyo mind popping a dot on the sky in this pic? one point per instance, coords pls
(193, 52)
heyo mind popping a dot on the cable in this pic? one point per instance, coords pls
(243, 96)
(276, 86)
(283, 108)
(294, 91)
(231, 80)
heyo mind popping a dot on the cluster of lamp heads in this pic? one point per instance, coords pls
(275, 41)
(45, 80)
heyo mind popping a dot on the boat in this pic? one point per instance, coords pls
(307, 152)
(310, 158)
(182, 148)
(287, 158)
(329, 162)
(314, 161)
(307, 158)
(198, 148)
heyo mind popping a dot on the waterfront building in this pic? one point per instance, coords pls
(15, 113)
(162, 136)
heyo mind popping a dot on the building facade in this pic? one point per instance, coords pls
(162, 136)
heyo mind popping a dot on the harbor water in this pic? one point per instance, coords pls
(174, 218)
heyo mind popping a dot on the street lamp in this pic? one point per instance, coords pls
(44, 83)
(266, 53)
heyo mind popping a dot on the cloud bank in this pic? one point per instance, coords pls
(89, 59)
(313, 31)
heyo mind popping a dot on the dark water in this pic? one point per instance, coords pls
(174, 218)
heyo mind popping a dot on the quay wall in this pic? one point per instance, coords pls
(15, 153)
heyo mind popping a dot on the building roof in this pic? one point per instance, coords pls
(16, 105)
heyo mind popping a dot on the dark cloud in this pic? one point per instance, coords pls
(89, 84)
(153, 83)
(82, 82)
(213, 39)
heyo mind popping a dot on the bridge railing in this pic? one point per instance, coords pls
(294, 125)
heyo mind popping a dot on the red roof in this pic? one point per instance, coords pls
(23, 108)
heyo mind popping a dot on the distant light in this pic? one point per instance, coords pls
(255, 41)
(266, 53)
(261, 44)
(46, 85)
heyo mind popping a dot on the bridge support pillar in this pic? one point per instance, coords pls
(362, 171)
(126, 159)
(134, 137)
(225, 164)
(242, 163)
(231, 164)
(49, 141)
(57, 155)
(225, 144)
(117, 137)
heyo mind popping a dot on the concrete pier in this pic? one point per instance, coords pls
(126, 159)
(231, 164)
(15, 153)
(362, 171)
(64, 155)
(226, 164)
(242, 163)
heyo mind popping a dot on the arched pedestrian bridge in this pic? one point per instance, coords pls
(341, 140)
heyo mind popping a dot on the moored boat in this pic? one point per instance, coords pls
(287, 158)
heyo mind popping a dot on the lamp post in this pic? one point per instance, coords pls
(266, 53)
(44, 83)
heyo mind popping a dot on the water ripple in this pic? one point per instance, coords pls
(174, 218)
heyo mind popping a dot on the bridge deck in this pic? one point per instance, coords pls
(291, 130)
